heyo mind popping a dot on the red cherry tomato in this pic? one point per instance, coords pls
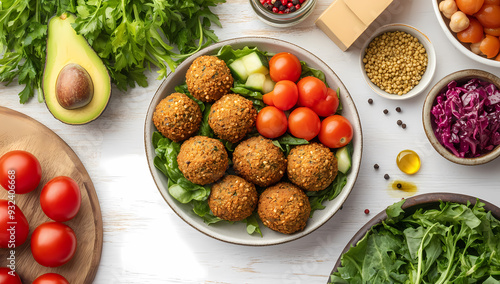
(14, 227)
(271, 122)
(311, 91)
(19, 170)
(336, 131)
(473, 33)
(493, 32)
(61, 199)
(303, 122)
(469, 7)
(284, 66)
(8, 276)
(284, 95)
(489, 16)
(50, 278)
(491, 2)
(53, 244)
(329, 105)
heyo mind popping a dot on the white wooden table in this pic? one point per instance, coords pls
(146, 242)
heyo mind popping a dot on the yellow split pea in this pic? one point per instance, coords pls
(395, 62)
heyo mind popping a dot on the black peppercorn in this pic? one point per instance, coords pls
(398, 109)
(370, 101)
(386, 176)
(277, 4)
(376, 166)
(282, 7)
(399, 122)
(293, 9)
(386, 111)
(295, 2)
(403, 125)
(268, 6)
(399, 185)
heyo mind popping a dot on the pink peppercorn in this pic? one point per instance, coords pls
(367, 211)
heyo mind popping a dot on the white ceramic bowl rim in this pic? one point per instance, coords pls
(236, 233)
(428, 123)
(431, 57)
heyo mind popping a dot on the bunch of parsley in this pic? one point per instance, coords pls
(128, 35)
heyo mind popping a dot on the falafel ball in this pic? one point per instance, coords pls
(259, 161)
(312, 167)
(284, 208)
(232, 198)
(208, 78)
(177, 117)
(202, 160)
(232, 117)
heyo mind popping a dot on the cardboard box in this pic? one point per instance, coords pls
(345, 20)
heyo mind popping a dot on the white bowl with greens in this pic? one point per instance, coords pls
(252, 232)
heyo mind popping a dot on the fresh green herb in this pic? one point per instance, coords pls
(286, 141)
(228, 54)
(316, 198)
(308, 71)
(252, 224)
(128, 35)
(455, 243)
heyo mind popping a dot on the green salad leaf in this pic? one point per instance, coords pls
(454, 243)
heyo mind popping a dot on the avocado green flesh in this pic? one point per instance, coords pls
(64, 46)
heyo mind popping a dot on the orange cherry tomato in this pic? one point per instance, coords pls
(284, 95)
(472, 34)
(336, 131)
(491, 2)
(490, 46)
(498, 57)
(469, 7)
(304, 123)
(271, 122)
(493, 32)
(489, 16)
(284, 66)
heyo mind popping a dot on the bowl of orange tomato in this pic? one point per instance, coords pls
(473, 27)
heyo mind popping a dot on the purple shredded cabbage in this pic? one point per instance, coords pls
(467, 118)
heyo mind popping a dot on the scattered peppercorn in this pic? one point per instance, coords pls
(376, 166)
(370, 101)
(399, 185)
(403, 125)
(367, 211)
(399, 122)
(386, 111)
(395, 62)
(282, 6)
(386, 176)
(398, 109)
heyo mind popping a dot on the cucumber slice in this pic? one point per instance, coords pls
(343, 159)
(254, 63)
(268, 85)
(238, 69)
(255, 81)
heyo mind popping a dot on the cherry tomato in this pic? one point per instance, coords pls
(311, 91)
(493, 32)
(20, 170)
(50, 278)
(498, 57)
(490, 46)
(329, 105)
(491, 2)
(8, 276)
(14, 227)
(271, 122)
(61, 199)
(304, 123)
(473, 33)
(284, 95)
(336, 131)
(284, 66)
(53, 244)
(489, 16)
(469, 7)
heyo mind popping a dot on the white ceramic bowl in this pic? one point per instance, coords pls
(236, 233)
(463, 47)
(431, 64)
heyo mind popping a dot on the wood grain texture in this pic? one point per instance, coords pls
(146, 242)
(20, 132)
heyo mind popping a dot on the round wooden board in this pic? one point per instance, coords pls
(20, 132)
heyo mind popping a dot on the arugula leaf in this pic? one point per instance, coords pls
(252, 224)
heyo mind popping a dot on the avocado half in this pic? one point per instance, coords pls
(66, 48)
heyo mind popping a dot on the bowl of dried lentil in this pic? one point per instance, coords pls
(398, 61)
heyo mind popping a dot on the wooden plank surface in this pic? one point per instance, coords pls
(146, 242)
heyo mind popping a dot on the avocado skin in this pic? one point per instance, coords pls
(64, 47)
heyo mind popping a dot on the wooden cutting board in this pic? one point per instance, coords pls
(21, 132)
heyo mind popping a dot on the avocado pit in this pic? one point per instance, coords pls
(74, 87)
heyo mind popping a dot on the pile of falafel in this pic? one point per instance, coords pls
(282, 206)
